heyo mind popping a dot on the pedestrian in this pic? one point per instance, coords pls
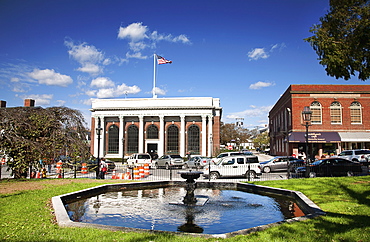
(103, 168)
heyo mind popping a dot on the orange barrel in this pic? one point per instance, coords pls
(141, 171)
(38, 175)
(127, 176)
(136, 173)
(146, 170)
(59, 167)
(84, 168)
(3, 161)
(114, 176)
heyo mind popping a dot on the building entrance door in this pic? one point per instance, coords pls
(152, 149)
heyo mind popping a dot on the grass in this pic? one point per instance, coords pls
(26, 215)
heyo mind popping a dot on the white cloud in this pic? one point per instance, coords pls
(262, 53)
(136, 55)
(260, 84)
(40, 99)
(88, 57)
(141, 38)
(50, 77)
(134, 32)
(117, 91)
(257, 53)
(102, 82)
(91, 69)
(159, 91)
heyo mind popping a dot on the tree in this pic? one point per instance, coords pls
(30, 134)
(262, 139)
(230, 132)
(342, 40)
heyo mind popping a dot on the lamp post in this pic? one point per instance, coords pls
(306, 115)
(98, 133)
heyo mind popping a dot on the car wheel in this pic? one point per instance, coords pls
(156, 165)
(167, 166)
(267, 169)
(250, 174)
(312, 174)
(186, 166)
(213, 175)
(349, 173)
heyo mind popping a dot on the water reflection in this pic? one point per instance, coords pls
(225, 211)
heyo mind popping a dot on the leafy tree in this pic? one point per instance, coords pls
(230, 132)
(342, 39)
(262, 140)
(30, 134)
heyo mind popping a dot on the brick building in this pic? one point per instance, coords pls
(156, 125)
(340, 119)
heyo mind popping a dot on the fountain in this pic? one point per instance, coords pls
(207, 209)
(190, 199)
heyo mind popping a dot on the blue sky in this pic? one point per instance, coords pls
(245, 52)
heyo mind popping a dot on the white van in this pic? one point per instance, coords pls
(233, 166)
(139, 159)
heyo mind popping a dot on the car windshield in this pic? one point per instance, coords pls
(175, 156)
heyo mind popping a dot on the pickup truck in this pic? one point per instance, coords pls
(234, 166)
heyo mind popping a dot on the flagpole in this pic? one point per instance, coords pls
(155, 75)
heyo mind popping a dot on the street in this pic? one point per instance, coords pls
(155, 174)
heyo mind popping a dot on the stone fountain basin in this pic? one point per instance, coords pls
(306, 205)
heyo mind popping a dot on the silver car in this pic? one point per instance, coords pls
(355, 155)
(197, 162)
(169, 161)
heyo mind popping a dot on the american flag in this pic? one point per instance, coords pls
(162, 60)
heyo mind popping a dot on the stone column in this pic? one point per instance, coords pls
(182, 136)
(161, 136)
(102, 137)
(210, 136)
(204, 135)
(141, 134)
(121, 135)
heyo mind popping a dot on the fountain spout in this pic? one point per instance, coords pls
(191, 185)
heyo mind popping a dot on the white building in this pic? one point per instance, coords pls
(156, 125)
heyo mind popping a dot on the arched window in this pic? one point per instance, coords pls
(173, 139)
(316, 117)
(152, 132)
(193, 139)
(336, 113)
(356, 113)
(132, 139)
(113, 139)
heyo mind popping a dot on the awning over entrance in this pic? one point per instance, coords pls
(314, 137)
(355, 136)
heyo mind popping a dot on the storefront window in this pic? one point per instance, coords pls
(113, 139)
(173, 139)
(193, 139)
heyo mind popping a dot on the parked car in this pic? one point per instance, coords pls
(197, 162)
(280, 163)
(139, 159)
(233, 166)
(356, 155)
(247, 152)
(218, 158)
(169, 161)
(331, 167)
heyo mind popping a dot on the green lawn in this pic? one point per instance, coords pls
(26, 215)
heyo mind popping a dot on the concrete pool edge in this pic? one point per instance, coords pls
(63, 220)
